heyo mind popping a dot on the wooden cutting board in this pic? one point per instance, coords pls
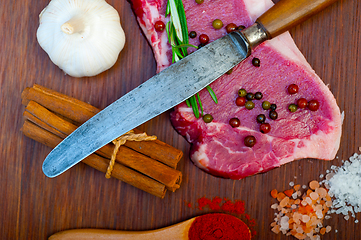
(34, 206)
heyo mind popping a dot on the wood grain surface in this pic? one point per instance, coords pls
(34, 206)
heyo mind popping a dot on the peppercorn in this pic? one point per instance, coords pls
(273, 107)
(231, 27)
(313, 105)
(292, 107)
(203, 38)
(207, 118)
(192, 34)
(302, 103)
(234, 122)
(201, 45)
(217, 24)
(292, 89)
(273, 115)
(266, 105)
(249, 105)
(265, 128)
(261, 118)
(256, 62)
(240, 101)
(199, 1)
(242, 92)
(258, 95)
(249, 141)
(159, 26)
(229, 71)
(241, 27)
(250, 96)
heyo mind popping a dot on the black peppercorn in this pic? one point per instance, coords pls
(261, 118)
(256, 62)
(250, 96)
(273, 107)
(258, 95)
(273, 115)
(241, 27)
(192, 34)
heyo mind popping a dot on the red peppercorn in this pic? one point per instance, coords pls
(203, 39)
(292, 89)
(265, 128)
(302, 103)
(241, 101)
(313, 105)
(249, 141)
(231, 27)
(159, 26)
(234, 122)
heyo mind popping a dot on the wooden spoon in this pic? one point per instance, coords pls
(216, 225)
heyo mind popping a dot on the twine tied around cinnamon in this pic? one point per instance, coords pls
(129, 136)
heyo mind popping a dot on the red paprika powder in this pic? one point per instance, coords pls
(218, 226)
(236, 207)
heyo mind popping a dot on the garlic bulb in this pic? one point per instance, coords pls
(82, 37)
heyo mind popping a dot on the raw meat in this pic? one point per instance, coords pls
(217, 147)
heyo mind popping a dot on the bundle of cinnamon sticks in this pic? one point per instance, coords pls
(148, 165)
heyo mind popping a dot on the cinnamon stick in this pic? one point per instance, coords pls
(120, 172)
(166, 175)
(80, 112)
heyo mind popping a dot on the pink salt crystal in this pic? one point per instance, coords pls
(319, 214)
(314, 195)
(305, 218)
(314, 184)
(328, 203)
(284, 202)
(321, 191)
(274, 206)
(276, 229)
(308, 200)
(328, 229)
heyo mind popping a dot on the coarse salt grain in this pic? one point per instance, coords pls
(344, 183)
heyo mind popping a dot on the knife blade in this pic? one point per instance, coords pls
(175, 84)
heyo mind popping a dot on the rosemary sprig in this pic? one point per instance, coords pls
(177, 32)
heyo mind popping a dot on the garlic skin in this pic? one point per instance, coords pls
(82, 37)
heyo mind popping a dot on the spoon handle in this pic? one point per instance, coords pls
(175, 232)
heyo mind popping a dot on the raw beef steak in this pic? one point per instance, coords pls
(217, 147)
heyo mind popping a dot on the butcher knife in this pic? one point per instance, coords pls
(176, 83)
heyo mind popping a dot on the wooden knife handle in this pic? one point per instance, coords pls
(288, 13)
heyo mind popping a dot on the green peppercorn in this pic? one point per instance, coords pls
(249, 105)
(273, 115)
(273, 107)
(229, 71)
(207, 118)
(192, 34)
(199, 1)
(256, 62)
(250, 96)
(261, 118)
(292, 107)
(242, 92)
(258, 95)
(217, 24)
(266, 105)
